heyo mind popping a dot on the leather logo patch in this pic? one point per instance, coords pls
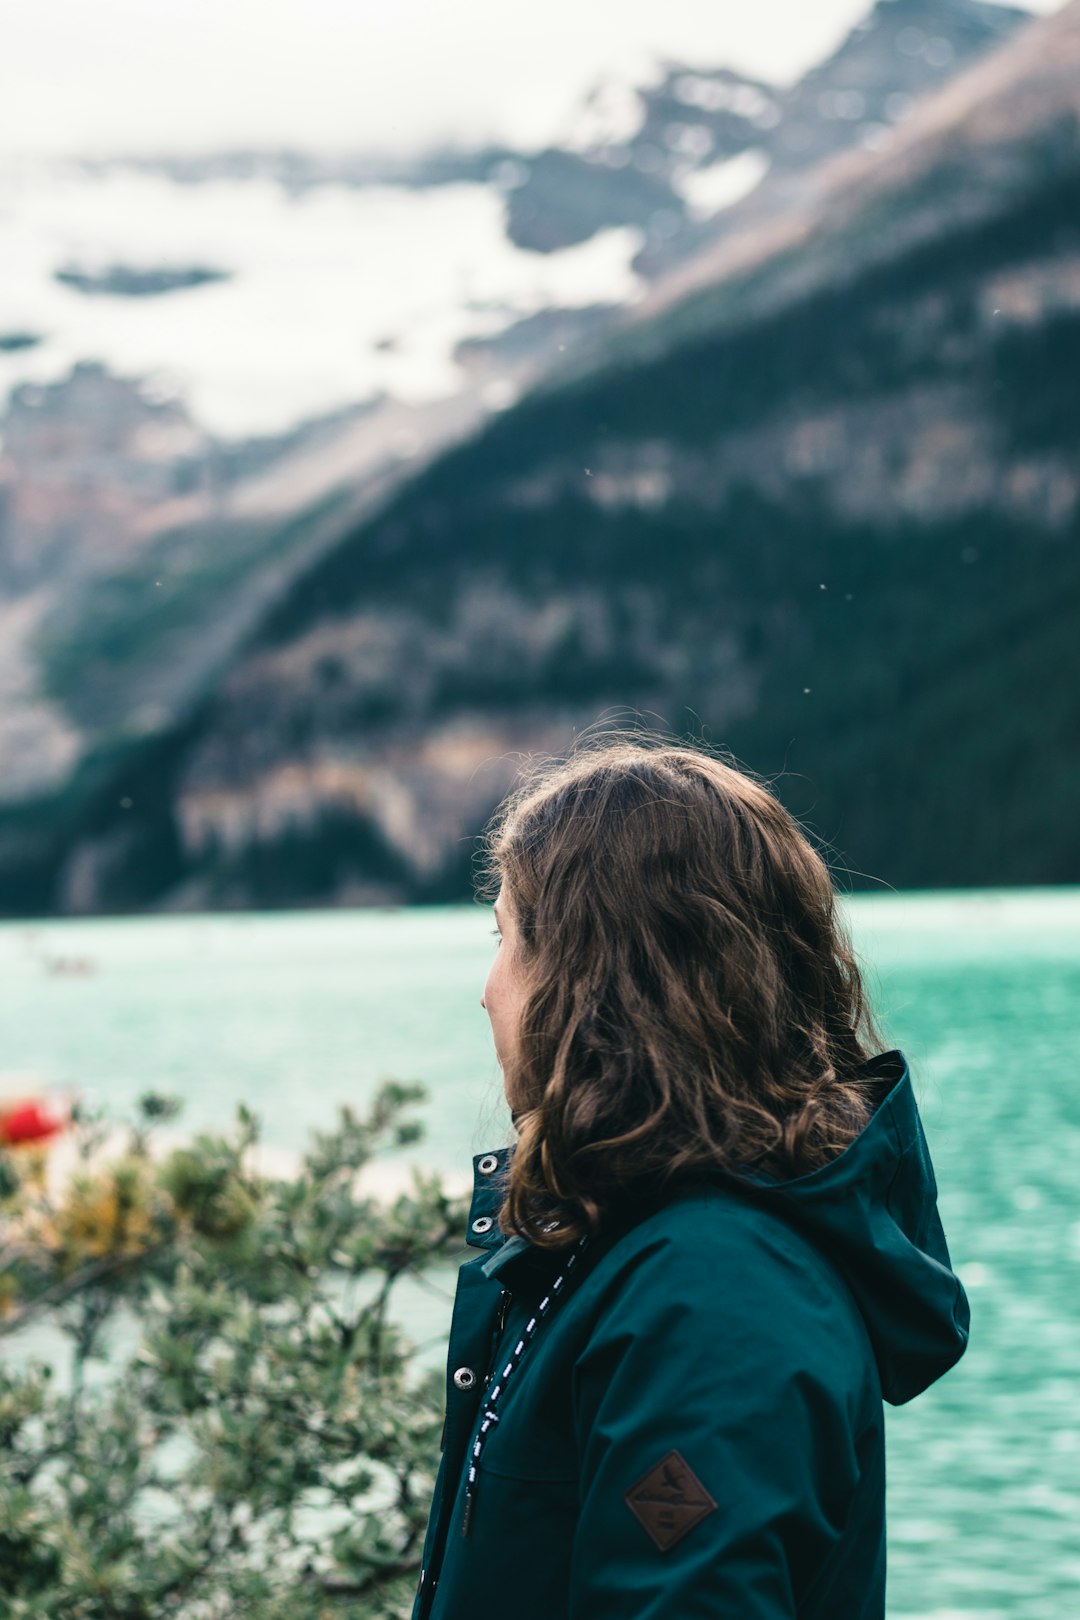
(669, 1500)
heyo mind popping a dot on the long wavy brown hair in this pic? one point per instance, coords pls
(692, 1003)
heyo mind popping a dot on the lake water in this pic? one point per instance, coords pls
(295, 1013)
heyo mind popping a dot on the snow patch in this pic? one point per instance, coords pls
(334, 296)
(613, 112)
(723, 95)
(707, 191)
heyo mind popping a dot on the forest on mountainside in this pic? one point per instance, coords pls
(822, 512)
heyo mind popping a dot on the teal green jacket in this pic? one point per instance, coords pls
(696, 1429)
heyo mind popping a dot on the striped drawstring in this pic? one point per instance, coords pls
(528, 1334)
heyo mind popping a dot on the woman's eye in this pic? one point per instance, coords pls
(496, 934)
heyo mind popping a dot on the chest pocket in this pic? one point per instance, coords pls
(529, 1455)
(534, 1437)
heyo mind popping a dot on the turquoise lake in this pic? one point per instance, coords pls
(295, 1013)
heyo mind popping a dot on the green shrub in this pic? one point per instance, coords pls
(267, 1449)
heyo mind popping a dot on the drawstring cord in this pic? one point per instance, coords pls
(490, 1416)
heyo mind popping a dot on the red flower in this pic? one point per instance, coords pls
(28, 1122)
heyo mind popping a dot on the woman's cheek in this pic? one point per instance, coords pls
(493, 1002)
(491, 989)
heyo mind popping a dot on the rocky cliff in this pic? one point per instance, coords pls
(817, 499)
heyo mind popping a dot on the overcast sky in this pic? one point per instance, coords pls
(98, 75)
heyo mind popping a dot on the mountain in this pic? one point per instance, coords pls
(671, 156)
(663, 156)
(817, 498)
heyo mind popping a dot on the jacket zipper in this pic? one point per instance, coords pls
(428, 1580)
(501, 1314)
(493, 1361)
(496, 1334)
(488, 1415)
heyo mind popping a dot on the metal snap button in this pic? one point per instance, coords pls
(487, 1164)
(483, 1223)
(464, 1378)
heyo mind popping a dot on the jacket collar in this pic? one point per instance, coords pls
(513, 1261)
(489, 1187)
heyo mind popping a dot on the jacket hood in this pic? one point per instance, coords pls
(873, 1212)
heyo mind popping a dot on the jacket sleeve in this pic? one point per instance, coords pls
(729, 1362)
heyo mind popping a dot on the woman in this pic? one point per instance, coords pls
(715, 1245)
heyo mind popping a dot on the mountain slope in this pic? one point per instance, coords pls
(824, 508)
(652, 156)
